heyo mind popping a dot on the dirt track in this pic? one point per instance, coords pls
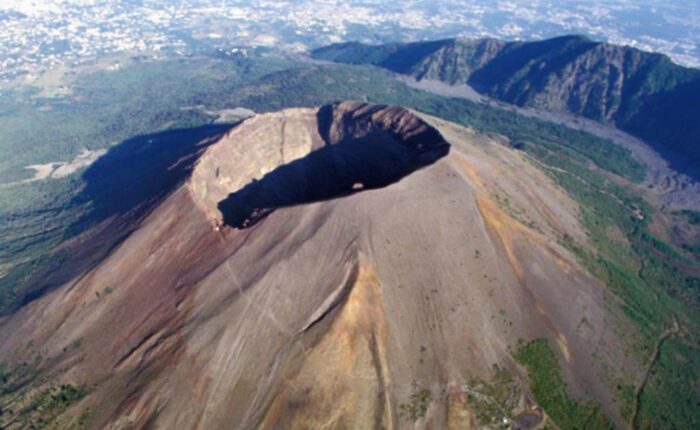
(654, 357)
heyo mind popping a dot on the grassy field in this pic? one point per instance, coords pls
(551, 391)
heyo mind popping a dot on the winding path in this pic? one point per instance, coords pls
(654, 357)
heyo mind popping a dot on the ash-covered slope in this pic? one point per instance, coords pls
(340, 267)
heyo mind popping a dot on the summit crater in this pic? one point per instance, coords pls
(299, 156)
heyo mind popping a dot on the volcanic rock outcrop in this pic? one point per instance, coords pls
(317, 270)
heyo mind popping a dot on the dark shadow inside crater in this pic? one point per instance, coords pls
(376, 159)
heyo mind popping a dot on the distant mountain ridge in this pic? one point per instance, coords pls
(643, 93)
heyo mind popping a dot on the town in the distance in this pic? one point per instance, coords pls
(39, 36)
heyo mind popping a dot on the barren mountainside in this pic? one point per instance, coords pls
(349, 266)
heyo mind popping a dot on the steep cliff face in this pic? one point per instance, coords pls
(450, 60)
(643, 93)
(365, 302)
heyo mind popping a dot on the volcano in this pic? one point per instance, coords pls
(348, 266)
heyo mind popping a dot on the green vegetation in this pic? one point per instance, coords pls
(418, 403)
(693, 217)
(648, 276)
(550, 390)
(493, 401)
(670, 398)
(667, 395)
(626, 397)
(651, 279)
(83, 419)
(78, 343)
(693, 249)
(48, 404)
(35, 407)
